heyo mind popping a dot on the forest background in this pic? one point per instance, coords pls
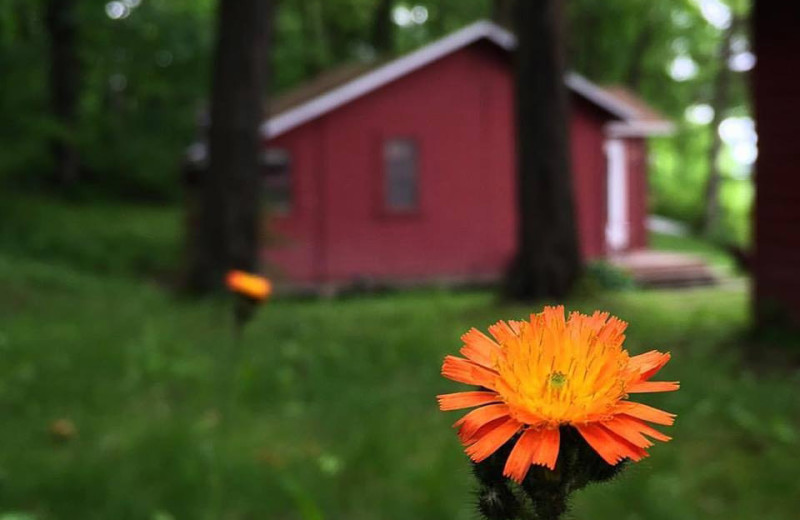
(141, 84)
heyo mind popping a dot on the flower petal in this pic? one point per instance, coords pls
(652, 386)
(479, 348)
(630, 429)
(646, 413)
(460, 400)
(646, 429)
(646, 365)
(520, 458)
(611, 447)
(502, 331)
(516, 326)
(493, 440)
(612, 331)
(483, 430)
(470, 423)
(553, 318)
(465, 371)
(547, 452)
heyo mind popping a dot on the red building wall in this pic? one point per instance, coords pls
(459, 110)
(777, 205)
(636, 154)
(589, 175)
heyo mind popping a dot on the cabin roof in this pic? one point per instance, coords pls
(337, 87)
(646, 119)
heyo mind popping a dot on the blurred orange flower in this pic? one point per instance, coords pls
(549, 372)
(249, 285)
(63, 430)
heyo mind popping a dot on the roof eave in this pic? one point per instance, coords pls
(339, 96)
(621, 129)
(599, 97)
(320, 105)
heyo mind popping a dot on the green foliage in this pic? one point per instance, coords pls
(602, 276)
(633, 43)
(98, 237)
(334, 420)
(338, 419)
(23, 92)
(147, 76)
(312, 35)
(146, 81)
(445, 16)
(144, 78)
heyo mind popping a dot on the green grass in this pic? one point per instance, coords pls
(334, 414)
(111, 237)
(330, 411)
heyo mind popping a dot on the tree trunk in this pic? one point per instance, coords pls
(383, 27)
(230, 190)
(503, 12)
(719, 103)
(548, 260)
(62, 27)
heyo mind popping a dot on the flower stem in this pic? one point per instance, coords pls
(551, 507)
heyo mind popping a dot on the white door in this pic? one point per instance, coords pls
(617, 227)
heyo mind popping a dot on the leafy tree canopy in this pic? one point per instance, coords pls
(145, 76)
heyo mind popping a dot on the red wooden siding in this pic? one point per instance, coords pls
(636, 154)
(777, 109)
(459, 111)
(589, 175)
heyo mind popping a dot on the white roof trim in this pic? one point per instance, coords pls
(362, 85)
(381, 76)
(599, 97)
(640, 128)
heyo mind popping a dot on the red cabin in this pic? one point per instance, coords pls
(405, 172)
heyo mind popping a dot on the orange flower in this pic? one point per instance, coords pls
(542, 374)
(249, 285)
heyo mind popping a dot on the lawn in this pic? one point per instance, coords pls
(334, 414)
(101, 237)
(122, 401)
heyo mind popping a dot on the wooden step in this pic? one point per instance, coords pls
(666, 269)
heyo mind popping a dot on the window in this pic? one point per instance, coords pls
(401, 175)
(276, 172)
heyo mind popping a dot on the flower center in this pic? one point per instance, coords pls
(558, 379)
(553, 373)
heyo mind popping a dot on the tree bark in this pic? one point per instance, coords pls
(62, 27)
(503, 12)
(719, 103)
(230, 190)
(548, 260)
(383, 27)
